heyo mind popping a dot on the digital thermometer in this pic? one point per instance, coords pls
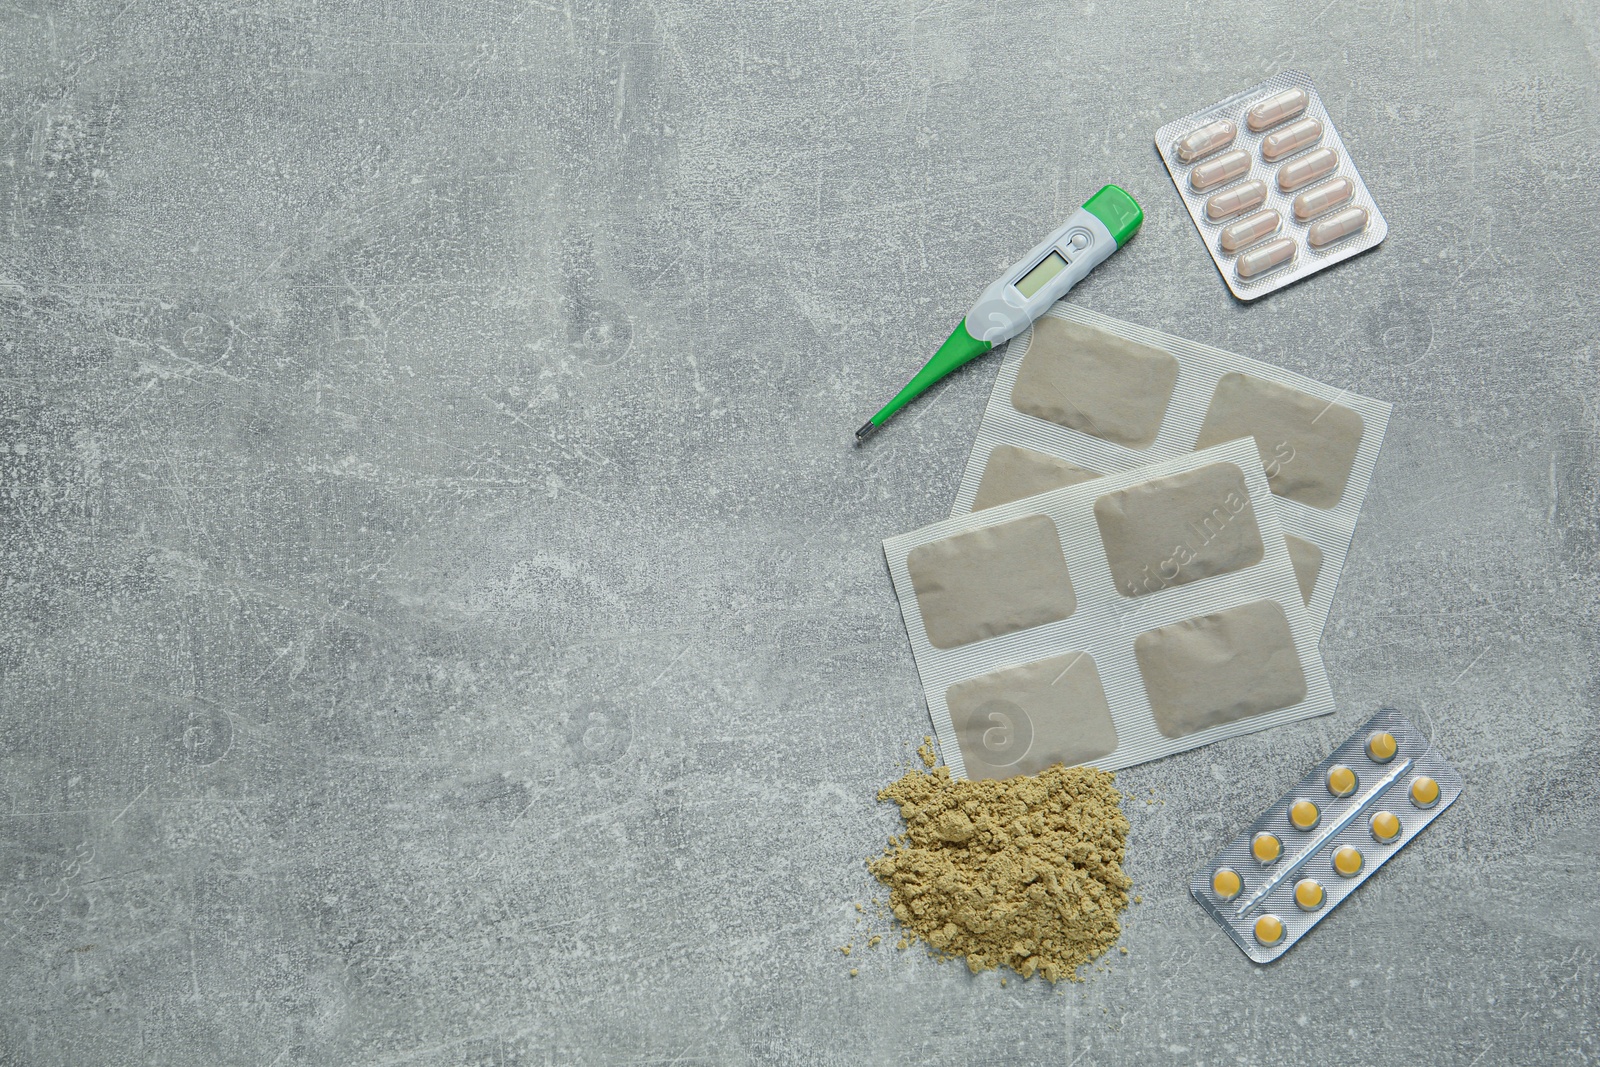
(1009, 306)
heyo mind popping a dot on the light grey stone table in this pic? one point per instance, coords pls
(442, 618)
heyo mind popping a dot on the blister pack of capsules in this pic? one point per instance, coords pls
(1270, 185)
(1032, 651)
(1332, 832)
(1082, 395)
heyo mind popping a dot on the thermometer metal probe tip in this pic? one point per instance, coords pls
(868, 428)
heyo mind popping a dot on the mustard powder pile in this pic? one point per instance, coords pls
(1024, 872)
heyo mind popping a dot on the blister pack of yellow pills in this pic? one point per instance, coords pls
(1082, 395)
(1270, 185)
(1329, 834)
(1140, 614)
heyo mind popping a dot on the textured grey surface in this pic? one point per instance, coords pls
(443, 619)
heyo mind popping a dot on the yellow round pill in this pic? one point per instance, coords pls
(1266, 847)
(1348, 861)
(1304, 815)
(1385, 826)
(1341, 780)
(1226, 883)
(1424, 791)
(1381, 746)
(1308, 894)
(1269, 930)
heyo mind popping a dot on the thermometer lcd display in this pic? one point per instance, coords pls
(1048, 268)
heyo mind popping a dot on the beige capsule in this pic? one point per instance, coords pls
(1212, 137)
(1307, 169)
(1313, 202)
(1269, 256)
(1275, 109)
(1224, 168)
(1290, 139)
(1231, 202)
(1247, 231)
(1337, 227)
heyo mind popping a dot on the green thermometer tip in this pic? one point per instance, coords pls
(958, 349)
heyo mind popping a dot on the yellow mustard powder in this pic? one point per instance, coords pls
(1022, 872)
